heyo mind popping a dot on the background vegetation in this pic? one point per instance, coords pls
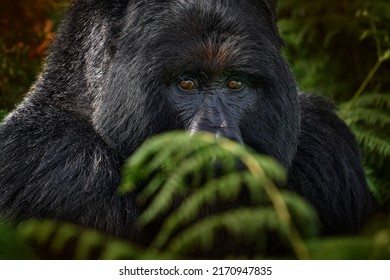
(340, 49)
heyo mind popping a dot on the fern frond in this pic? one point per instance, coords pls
(372, 117)
(202, 234)
(373, 100)
(371, 142)
(170, 172)
(369, 118)
(160, 152)
(55, 238)
(227, 188)
(202, 169)
(262, 220)
(178, 183)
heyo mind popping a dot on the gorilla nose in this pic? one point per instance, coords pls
(219, 129)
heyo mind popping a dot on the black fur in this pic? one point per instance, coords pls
(110, 83)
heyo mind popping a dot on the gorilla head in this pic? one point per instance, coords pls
(121, 71)
(197, 65)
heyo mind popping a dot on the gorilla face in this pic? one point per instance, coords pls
(214, 105)
(200, 66)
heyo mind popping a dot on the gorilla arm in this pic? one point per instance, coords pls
(326, 169)
(54, 165)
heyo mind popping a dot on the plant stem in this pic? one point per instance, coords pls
(281, 209)
(363, 86)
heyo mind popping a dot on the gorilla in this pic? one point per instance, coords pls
(121, 71)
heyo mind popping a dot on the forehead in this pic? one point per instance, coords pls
(212, 20)
(208, 35)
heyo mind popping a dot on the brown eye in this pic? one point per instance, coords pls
(186, 84)
(235, 84)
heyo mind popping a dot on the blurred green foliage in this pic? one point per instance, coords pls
(12, 245)
(333, 45)
(186, 234)
(3, 113)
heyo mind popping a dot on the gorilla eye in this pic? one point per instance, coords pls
(186, 84)
(235, 84)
